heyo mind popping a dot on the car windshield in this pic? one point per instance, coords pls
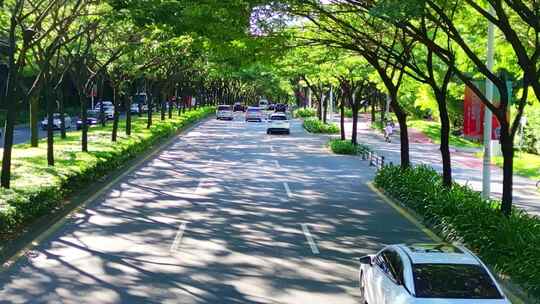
(454, 281)
(278, 117)
(224, 108)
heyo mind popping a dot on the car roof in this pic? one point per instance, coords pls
(438, 253)
(254, 108)
(278, 114)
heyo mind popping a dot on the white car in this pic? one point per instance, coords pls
(427, 274)
(263, 104)
(278, 122)
(225, 112)
(254, 114)
(56, 122)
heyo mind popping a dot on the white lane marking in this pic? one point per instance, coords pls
(277, 164)
(201, 184)
(310, 239)
(178, 237)
(272, 149)
(287, 189)
(217, 148)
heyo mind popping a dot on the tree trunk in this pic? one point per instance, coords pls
(319, 106)
(354, 135)
(170, 108)
(84, 118)
(373, 102)
(50, 135)
(115, 116)
(34, 125)
(62, 116)
(403, 132)
(128, 115)
(445, 140)
(163, 106)
(149, 113)
(8, 141)
(342, 118)
(325, 109)
(507, 146)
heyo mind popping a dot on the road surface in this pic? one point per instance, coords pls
(224, 214)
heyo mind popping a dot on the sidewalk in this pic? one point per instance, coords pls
(466, 167)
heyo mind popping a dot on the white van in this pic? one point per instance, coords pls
(263, 104)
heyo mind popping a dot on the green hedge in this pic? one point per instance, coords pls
(509, 244)
(305, 112)
(346, 147)
(37, 189)
(314, 125)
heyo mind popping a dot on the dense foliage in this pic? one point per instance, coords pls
(314, 125)
(346, 147)
(510, 244)
(305, 112)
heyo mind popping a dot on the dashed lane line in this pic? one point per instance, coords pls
(310, 240)
(287, 189)
(178, 238)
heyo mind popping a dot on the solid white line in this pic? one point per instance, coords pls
(310, 239)
(178, 238)
(277, 164)
(287, 189)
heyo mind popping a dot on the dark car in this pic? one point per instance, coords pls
(271, 107)
(91, 119)
(281, 107)
(238, 107)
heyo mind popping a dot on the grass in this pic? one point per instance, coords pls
(525, 164)
(432, 130)
(36, 188)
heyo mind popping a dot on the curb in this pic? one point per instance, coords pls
(34, 236)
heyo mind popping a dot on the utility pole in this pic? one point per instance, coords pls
(488, 116)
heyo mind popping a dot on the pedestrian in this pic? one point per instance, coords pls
(388, 131)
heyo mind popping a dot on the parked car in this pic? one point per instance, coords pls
(427, 274)
(238, 107)
(271, 107)
(108, 109)
(254, 114)
(278, 122)
(137, 108)
(56, 122)
(281, 107)
(224, 112)
(91, 119)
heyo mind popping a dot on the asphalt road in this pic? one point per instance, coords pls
(225, 214)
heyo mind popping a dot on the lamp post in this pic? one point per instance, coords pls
(486, 169)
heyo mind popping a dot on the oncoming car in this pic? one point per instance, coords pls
(278, 123)
(427, 274)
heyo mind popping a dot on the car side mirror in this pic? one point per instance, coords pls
(366, 260)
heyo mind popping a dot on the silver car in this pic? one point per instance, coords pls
(224, 112)
(56, 122)
(254, 114)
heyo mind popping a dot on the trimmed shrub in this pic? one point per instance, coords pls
(314, 125)
(346, 147)
(509, 244)
(23, 204)
(305, 112)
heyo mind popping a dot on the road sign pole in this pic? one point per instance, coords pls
(488, 116)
